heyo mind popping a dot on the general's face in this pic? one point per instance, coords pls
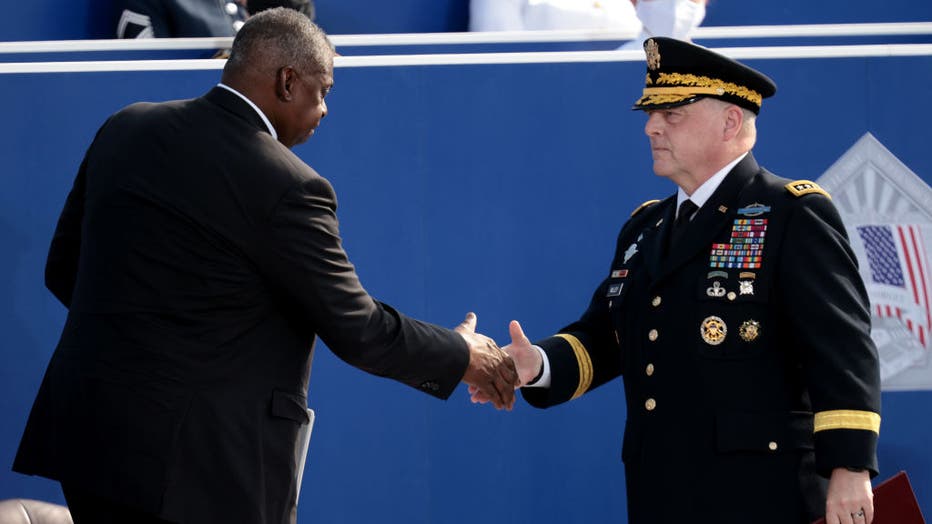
(309, 107)
(683, 140)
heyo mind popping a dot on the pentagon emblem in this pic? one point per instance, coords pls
(749, 330)
(713, 330)
(653, 54)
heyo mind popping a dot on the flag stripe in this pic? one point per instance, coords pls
(920, 259)
(909, 264)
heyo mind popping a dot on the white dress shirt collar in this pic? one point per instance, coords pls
(704, 192)
(254, 106)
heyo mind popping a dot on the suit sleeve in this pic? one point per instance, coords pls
(308, 262)
(61, 266)
(826, 305)
(583, 355)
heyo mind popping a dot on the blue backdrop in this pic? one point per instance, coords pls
(492, 188)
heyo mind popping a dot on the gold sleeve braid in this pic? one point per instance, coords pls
(847, 419)
(583, 361)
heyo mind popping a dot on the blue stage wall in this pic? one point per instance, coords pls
(492, 188)
(78, 19)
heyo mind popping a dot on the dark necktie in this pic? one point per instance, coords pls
(687, 209)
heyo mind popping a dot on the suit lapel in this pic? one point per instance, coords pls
(711, 218)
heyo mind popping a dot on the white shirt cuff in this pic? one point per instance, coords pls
(544, 380)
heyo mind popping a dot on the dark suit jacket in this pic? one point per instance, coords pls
(745, 378)
(199, 258)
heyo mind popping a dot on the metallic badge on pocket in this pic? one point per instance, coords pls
(716, 291)
(713, 330)
(749, 330)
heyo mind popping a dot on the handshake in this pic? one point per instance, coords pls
(495, 373)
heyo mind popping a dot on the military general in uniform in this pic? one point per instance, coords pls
(736, 315)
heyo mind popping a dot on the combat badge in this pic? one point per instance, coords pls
(713, 330)
(749, 330)
(754, 210)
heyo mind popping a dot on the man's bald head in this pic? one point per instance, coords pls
(278, 38)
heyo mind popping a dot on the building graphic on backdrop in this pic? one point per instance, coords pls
(888, 212)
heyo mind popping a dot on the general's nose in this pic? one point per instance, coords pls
(652, 127)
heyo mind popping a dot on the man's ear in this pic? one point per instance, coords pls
(285, 80)
(734, 119)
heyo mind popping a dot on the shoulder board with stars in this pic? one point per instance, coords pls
(643, 206)
(805, 187)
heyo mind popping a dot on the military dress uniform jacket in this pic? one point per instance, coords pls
(749, 372)
(199, 259)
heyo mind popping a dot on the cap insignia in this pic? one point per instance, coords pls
(653, 54)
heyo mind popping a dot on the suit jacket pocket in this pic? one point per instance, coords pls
(290, 406)
(764, 432)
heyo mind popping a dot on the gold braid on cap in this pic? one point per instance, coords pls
(683, 86)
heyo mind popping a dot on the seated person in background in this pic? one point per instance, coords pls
(673, 18)
(180, 18)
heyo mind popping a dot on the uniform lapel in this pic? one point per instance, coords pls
(711, 218)
(654, 243)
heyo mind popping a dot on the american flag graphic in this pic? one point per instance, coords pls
(896, 260)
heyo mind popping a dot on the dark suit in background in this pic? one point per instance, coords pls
(199, 258)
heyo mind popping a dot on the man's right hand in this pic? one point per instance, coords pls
(528, 361)
(490, 370)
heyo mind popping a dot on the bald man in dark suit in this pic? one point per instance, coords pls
(199, 259)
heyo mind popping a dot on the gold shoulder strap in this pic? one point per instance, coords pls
(804, 187)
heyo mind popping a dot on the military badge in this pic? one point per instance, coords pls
(746, 287)
(632, 249)
(713, 330)
(754, 210)
(653, 54)
(716, 291)
(614, 290)
(619, 273)
(732, 295)
(749, 330)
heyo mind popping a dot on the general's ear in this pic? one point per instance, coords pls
(734, 119)
(285, 80)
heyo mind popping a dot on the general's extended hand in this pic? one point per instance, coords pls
(490, 369)
(850, 499)
(527, 360)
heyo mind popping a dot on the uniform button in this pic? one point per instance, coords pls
(772, 446)
(655, 302)
(650, 404)
(652, 335)
(732, 295)
(650, 370)
(231, 8)
(237, 25)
